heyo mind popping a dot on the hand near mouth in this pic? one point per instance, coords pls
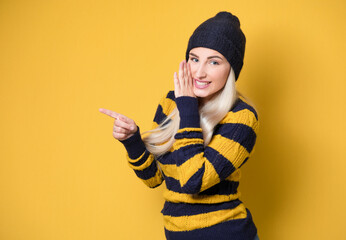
(183, 85)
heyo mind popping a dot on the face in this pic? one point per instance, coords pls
(209, 70)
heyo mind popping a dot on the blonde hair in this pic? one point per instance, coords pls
(161, 139)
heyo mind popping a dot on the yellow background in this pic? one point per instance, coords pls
(64, 176)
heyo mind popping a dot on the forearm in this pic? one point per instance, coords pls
(142, 161)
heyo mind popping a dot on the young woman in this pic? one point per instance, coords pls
(203, 132)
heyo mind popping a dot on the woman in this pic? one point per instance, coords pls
(203, 132)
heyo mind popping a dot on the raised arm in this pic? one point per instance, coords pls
(196, 167)
(199, 167)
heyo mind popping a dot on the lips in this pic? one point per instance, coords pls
(201, 84)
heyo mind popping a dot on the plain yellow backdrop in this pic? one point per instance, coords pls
(64, 176)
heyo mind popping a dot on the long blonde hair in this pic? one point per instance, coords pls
(160, 140)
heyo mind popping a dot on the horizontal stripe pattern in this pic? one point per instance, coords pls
(231, 144)
(141, 160)
(201, 181)
(148, 172)
(236, 229)
(203, 220)
(222, 188)
(225, 187)
(241, 133)
(176, 197)
(188, 148)
(190, 134)
(188, 209)
(145, 160)
(232, 151)
(241, 105)
(155, 181)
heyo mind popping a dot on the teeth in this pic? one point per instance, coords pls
(202, 83)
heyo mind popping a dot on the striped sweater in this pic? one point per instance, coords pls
(201, 195)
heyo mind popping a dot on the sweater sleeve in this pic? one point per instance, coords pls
(200, 167)
(139, 158)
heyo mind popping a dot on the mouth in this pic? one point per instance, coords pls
(201, 84)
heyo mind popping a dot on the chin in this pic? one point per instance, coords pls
(200, 94)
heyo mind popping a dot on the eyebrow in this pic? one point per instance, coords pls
(207, 58)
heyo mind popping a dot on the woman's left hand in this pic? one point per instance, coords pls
(184, 84)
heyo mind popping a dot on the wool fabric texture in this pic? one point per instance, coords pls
(202, 200)
(223, 34)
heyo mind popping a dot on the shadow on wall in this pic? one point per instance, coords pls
(270, 178)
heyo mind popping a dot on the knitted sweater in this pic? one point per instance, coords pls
(201, 182)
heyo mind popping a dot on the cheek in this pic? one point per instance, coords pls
(221, 78)
(193, 70)
(223, 75)
(193, 67)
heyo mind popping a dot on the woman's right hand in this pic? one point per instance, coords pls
(123, 127)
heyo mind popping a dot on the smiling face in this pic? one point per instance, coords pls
(209, 70)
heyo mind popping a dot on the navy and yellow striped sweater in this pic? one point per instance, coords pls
(201, 182)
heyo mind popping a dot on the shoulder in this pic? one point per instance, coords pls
(241, 113)
(242, 105)
(240, 125)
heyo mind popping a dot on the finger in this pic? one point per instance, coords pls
(115, 115)
(189, 70)
(120, 123)
(119, 136)
(120, 117)
(184, 80)
(176, 85)
(125, 119)
(181, 74)
(117, 129)
(189, 75)
(176, 80)
(185, 72)
(109, 112)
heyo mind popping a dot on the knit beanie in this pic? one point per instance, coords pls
(223, 34)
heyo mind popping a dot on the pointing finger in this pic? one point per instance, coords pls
(115, 115)
(123, 118)
(109, 112)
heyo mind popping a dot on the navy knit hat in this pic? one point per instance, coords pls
(223, 34)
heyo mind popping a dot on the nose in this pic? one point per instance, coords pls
(200, 71)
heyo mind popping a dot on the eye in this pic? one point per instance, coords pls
(193, 59)
(214, 63)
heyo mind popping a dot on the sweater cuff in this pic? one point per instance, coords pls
(188, 111)
(134, 145)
